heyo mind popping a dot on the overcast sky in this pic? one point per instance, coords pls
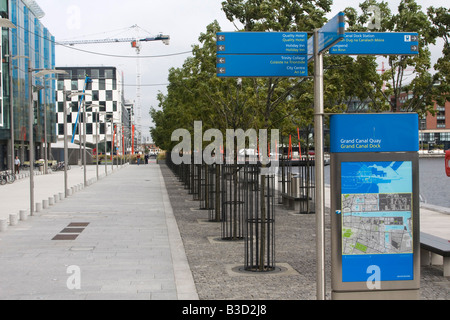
(182, 20)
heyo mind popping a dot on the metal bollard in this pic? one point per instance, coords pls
(23, 215)
(13, 219)
(3, 225)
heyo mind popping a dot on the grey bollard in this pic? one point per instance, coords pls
(56, 198)
(69, 192)
(3, 225)
(61, 196)
(23, 215)
(13, 219)
(45, 204)
(51, 201)
(38, 207)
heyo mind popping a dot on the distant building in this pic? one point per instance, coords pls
(104, 97)
(435, 129)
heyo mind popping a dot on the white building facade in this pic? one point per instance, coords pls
(107, 118)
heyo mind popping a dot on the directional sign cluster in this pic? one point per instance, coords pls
(262, 54)
(377, 43)
(286, 54)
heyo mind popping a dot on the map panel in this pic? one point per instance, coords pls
(376, 213)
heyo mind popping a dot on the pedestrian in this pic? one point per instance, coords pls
(139, 159)
(17, 164)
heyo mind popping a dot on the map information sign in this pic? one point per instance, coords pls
(376, 215)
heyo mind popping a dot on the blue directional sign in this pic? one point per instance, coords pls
(329, 34)
(377, 43)
(262, 42)
(262, 65)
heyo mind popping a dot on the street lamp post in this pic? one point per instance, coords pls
(40, 73)
(96, 134)
(66, 152)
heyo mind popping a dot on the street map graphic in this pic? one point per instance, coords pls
(376, 207)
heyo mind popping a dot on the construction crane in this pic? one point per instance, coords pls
(164, 38)
(136, 44)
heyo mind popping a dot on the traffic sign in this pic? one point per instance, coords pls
(329, 34)
(377, 43)
(261, 65)
(262, 42)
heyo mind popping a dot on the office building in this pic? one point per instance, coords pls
(104, 103)
(29, 45)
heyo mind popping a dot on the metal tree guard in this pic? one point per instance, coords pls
(232, 203)
(259, 219)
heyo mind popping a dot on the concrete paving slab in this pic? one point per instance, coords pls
(127, 243)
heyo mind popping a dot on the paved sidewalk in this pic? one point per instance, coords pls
(125, 245)
(16, 196)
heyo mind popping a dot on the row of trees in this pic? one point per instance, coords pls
(196, 93)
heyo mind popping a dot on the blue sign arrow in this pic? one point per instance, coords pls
(378, 43)
(329, 34)
(262, 66)
(262, 42)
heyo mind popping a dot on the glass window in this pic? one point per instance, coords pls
(95, 96)
(1, 113)
(108, 73)
(60, 84)
(88, 128)
(74, 106)
(74, 84)
(101, 84)
(95, 74)
(109, 95)
(81, 73)
(61, 129)
(60, 106)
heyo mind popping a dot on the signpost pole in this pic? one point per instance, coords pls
(319, 160)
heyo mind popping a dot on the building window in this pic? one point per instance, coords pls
(61, 129)
(109, 95)
(81, 73)
(95, 96)
(95, 74)
(60, 106)
(101, 84)
(74, 84)
(88, 128)
(1, 112)
(108, 73)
